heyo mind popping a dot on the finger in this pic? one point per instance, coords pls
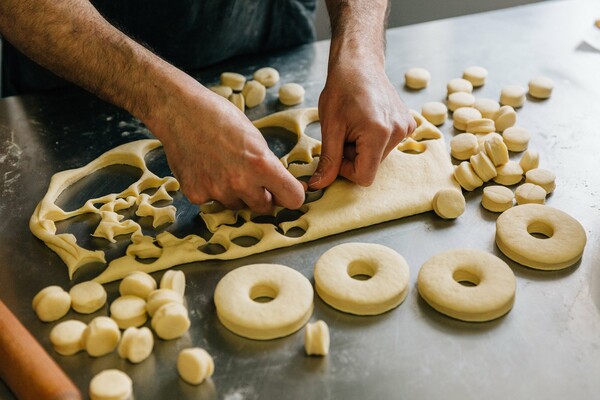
(285, 189)
(331, 156)
(399, 133)
(259, 200)
(349, 151)
(363, 168)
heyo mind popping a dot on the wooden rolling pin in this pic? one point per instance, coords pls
(26, 368)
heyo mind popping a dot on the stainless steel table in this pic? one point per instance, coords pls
(547, 347)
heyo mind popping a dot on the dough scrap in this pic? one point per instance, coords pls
(530, 193)
(449, 203)
(111, 384)
(51, 303)
(170, 321)
(291, 94)
(195, 365)
(128, 311)
(435, 112)
(497, 198)
(267, 76)
(417, 78)
(67, 337)
(541, 87)
(316, 339)
(101, 336)
(136, 344)
(476, 75)
(87, 297)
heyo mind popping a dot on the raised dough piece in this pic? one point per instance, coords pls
(483, 166)
(87, 297)
(435, 112)
(67, 337)
(497, 198)
(542, 177)
(504, 118)
(529, 160)
(223, 91)
(541, 87)
(238, 100)
(239, 311)
(513, 95)
(516, 138)
(496, 150)
(457, 100)
(417, 78)
(530, 193)
(509, 174)
(487, 107)
(101, 336)
(51, 303)
(171, 321)
(233, 80)
(254, 93)
(491, 293)
(481, 125)
(138, 284)
(466, 176)
(562, 248)
(386, 288)
(195, 365)
(476, 75)
(173, 280)
(267, 76)
(463, 115)
(291, 94)
(449, 203)
(128, 311)
(111, 384)
(136, 344)
(158, 298)
(316, 339)
(459, 85)
(463, 146)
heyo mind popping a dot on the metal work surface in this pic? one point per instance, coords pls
(547, 347)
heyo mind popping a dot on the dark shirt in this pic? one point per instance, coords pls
(191, 34)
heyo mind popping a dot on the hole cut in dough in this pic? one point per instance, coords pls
(410, 146)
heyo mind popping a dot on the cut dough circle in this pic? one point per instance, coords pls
(238, 100)
(497, 198)
(138, 284)
(476, 75)
(87, 297)
(291, 94)
(195, 365)
(316, 339)
(481, 125)
(504, 118)
(101, 336)
(170, 321)
(435, 112)
(233, 80)
(487, 107)
(254, 93)
(173, 280)
(530, 193)
(67, 337)
(542, 177)
(563, 247)
(111, 384)
(516, 138)
(459, 85)
(267, 76)
(158, 298)
(529, 160)
(463, 146)
(386, 288)
(466, 176)
(496, 150)
(483, 167)
(128, 311)
(417, 78)
(463, 115)
(136, 344)
(541, 87)
(492, 290)
(223, 91)
(51, 303)
(509, 174)
(449, 203)
(239, 311)
(513, 95)
(457, 100)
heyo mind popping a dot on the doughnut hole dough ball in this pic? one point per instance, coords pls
(267, 76)
(466, 176)
(195, 365)
(509, 174)
(316, 339)
(562, 248)
(160, 297)
(254, 93)
(463, 146)
(463, 115)
(67, 337)
(136, 344)
(101, 336)
(386, 288)
(496, 150)
(483, 167)
(449, 203)
(223, 91)
(51, 303)
(170, 321)
(543, 178)
(504, 118)
(291, 94)
(460, 99)
(529, 160)
(417, 78)
(173, 280)
(513, 95)
(476, 75)
(497, 198)
(516, 138)
(237, 99)
(530, 193)
(138, 284)
(491, 290)
(481, 125)
(111, 384)
(233, 80)
(459, 85)
(128, 311)
(87, 297)
(237, 299)
(435, 112)
(487, 107)
(541, 87)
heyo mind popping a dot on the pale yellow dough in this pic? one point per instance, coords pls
(541, 87)
(487, 107)
(87, 297)
(267, 76)
(466, 176)
(497, 198)
(509, 174)
(529, 160)
(457, 100)
(195, 365)
(463, 146)
(138, 284)
(254, 93)
(481, 125)
(158, 298)
(562, 248)
(530, 193)
(101, 336)
(170, 321)
(496, 150)
(459, 85)
(175, 281)
(136, 344)
(483, 167)
(223, 91)
(435, 112)
(476, 75)
(128, 311)
(492, 290)
(290, 307)
(463, 115)
(316, 339)
(504, 118)
(51, 303)
(291, 94)
(233, 80)
(516, 138)
(111, 384)
(417, 78)
(449, 203)
(542, 177)
(386, 288)
(67, 337)
(238, 100)
(513, 95)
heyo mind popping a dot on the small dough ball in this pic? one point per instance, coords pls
(459, 85)
(136, 344)
(476, 75)
(463, 146)
(160, 297)
(51, 303)
(237, 99)
(173, 280)
(466, 176)
(267, 76)
(516, 139)
(597, 23)
(195, 365)
(254, 93)
(543, 178)
(496, 150)
(233, 80)
(316, 338)
(223, 91)
(435, 112)
(505, 118)
(460, 99)
(497, 198)
(417, 78)
(530, 160)
(128, 311)
(291, 94)
(483, 166)
(87, 297)
(487, 107)
(101, 336)
(449, 203)
(138, 284)
(530, 193)
(481, 125)
(463, 115)
(111, 384)
(509, 174)
(67, 337)
(513, 95)
(170, 321)
(541, 87)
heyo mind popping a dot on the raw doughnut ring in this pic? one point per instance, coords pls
(386, 288)
(239, 311)
(564, 246)
(492, 295)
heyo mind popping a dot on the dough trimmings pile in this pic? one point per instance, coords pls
(316, 339)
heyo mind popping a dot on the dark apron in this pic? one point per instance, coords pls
(191, 34)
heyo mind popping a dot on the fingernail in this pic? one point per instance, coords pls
(315, 179)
